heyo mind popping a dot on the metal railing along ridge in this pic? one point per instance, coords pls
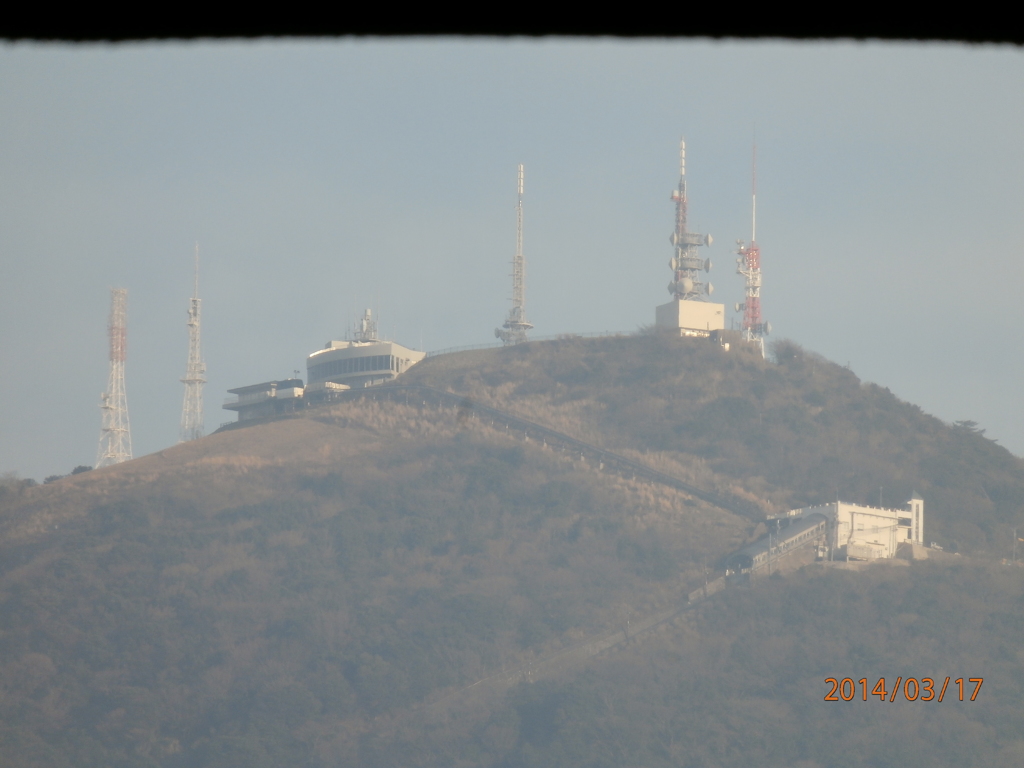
(551, 337)
(553, 438)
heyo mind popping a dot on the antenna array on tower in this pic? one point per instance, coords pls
(515, 327)
(115, 434)
(366, 331)
(192, 426)
(686, 264)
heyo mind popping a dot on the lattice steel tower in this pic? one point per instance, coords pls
(686, 264)
(749, 266)
(516, 326)
(192, 408)
(115, 434)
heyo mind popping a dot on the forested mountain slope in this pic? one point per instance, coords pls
(262, 595)
(742, 683)
(300, 592)
(798, 431)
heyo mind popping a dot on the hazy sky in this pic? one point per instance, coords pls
(323, 177)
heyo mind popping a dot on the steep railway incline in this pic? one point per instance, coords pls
(564, 659)
(602, 643)
(567, 658)
(603, 458)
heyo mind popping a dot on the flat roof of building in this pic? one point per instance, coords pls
(266, 386)
(343, 349)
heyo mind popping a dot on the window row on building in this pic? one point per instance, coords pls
(367, 364)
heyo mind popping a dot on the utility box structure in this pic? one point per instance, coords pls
(690, 318)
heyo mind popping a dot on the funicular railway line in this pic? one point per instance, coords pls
(603, 458)
(609, 641)
(559, 660)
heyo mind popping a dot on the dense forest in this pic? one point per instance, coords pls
(320, 590)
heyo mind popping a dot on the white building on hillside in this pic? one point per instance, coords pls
(361, 362)
(858, 532)
(690, 318)
(270, 398)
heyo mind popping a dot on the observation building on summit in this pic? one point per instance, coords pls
(363, 361)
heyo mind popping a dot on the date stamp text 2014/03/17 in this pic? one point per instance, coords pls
(911, 689)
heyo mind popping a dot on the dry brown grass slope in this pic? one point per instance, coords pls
(794, 431)
(264, 591)
(276, 594)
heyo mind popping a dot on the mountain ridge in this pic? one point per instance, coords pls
(293, 591)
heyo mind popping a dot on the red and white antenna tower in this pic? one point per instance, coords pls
(115, 434)
(686, 264)
(192, 423)
(515, 327)
(749, 266)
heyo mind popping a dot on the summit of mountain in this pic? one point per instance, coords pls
(288, 592)
(794, 430)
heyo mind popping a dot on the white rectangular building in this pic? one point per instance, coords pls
(270, 398)
(690, 318)
(858, 532)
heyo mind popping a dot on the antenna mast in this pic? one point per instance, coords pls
(115, 434)
(749, 266)
(686, 264)
(367, 329)
(515, 327)
(192, 425)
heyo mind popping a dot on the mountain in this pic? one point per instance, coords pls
(796, 431)
(330, 588)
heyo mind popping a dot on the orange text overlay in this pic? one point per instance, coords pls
(910, 689)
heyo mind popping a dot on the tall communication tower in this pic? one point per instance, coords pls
(749, 266)
(515, 327)
(686, 264)
(115, 434)
(192, 409)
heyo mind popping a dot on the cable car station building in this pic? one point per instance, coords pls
(857, 532)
